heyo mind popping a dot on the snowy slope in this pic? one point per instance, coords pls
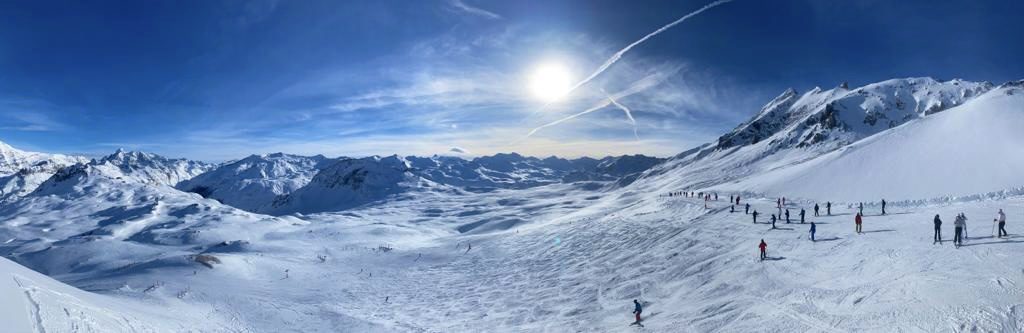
(255, 181)
(974, 148)
(32, 302)
(796, 128)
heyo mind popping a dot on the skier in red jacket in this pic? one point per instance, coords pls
(763, 246)
(858, 221)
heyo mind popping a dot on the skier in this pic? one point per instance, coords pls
(737, 199)
(802, 213)
(816, 209)
(755, 214)
(763, 246)
(828, 208)
(958, 225)
(1001, 218)
(773, 221)
(787, 215)
(861, 208)
(637, 309)
(716, 196)
(730, 198)
(783, 201)
(858, 220)
(938, 229)
(732, 208)
(778, 202)
(747, 209)
(813, 229)
(883, 206)
(963, 217)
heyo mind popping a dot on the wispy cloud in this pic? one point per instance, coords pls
(464, 7)
(27, 116)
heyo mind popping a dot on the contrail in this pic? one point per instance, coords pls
(556, 122)
(618, 55)
(629, 114)
(636, 87)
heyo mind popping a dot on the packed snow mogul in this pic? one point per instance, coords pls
(938, 229)
(858, 220)
(637, 309)
(813, 229)
(764, 247)
(1001, 219)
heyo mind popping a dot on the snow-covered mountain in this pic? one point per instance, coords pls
(255, 181)
(21, 172)
(794, 129)
(13, 160)
(351, 182)
(514, 171)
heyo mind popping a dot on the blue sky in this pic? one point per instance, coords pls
(217, 80)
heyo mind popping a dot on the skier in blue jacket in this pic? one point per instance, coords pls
(813, 229)
(637, 309)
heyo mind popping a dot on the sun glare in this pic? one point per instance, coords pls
(550, 82)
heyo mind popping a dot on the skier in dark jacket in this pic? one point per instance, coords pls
(938, 229)
(755, 216)
(816, 210)
(1001, 220)
(958, 229)
(737, 199)
(764, 248)
(828, 208)
(883, 206)
(637, 309)
(802, 213)
(747, 209)
(813, 229)
(787, 215)
(861, 208)
(773, 221)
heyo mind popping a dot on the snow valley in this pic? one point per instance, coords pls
(139, 242)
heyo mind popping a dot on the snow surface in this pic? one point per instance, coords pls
(396, 244)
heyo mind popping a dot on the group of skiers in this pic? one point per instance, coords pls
(960, 228)
(960, 224)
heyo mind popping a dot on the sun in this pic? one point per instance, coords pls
(550, 82)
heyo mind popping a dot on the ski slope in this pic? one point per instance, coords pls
(399, 244)
(969, 149)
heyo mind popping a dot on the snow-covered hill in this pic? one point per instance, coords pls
(794, 128)
(255, 181)
(973, 148)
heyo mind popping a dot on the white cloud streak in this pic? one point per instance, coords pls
(618, 55)
(460, 5)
